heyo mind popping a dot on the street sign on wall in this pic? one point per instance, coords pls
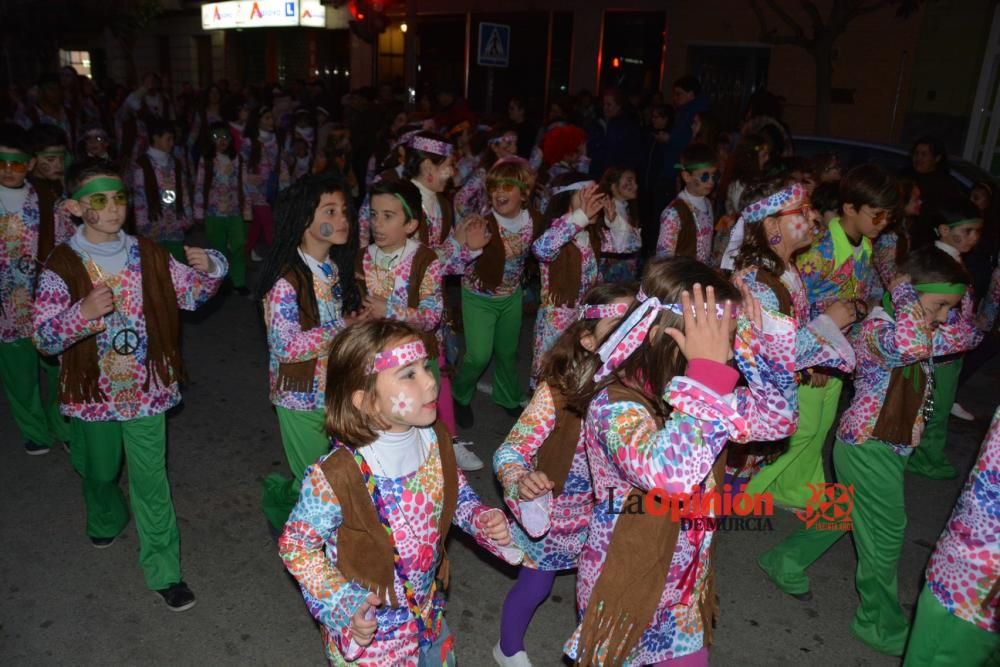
(494, 45)
(270, 14)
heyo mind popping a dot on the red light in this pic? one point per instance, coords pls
(356, 12)
(616, 62)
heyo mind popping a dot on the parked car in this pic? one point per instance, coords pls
(894, 158)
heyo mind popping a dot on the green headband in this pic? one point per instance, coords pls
(14, 157)
(941, 288)
(694, 166)
(51, 153)
(406, 207)
(967, 221)
(99, 184)
(516, 182)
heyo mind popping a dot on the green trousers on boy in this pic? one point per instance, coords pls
(928, 459)
(878, 517)
(37, 419)
(788, 478)
(304, 438)
(941, 639)
(97, 453)
(228, 235)
(492, 329)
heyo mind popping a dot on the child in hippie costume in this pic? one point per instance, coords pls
(108, 303)
(542, 466)
(366, 540)
(882, 427)
(661, 408)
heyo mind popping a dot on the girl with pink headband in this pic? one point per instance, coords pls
(366, 541)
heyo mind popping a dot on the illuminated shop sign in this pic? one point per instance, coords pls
(263, 14)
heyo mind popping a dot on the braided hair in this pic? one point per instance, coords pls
(294, 211)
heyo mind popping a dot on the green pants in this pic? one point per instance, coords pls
(928, 459)
(304, 438)
(788, 478)
(492, 329)
(38, 422)
(176, 249)
(879, 521)
(97, 451)
(228, 235)
(940, 639)
(58, 425)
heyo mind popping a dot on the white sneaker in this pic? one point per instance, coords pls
(519, 659)
(960, 412)
(254, 257)
(484, 387)
(466, 460)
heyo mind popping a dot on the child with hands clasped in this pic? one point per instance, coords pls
(108, 303)
(926, 312)
(542, 466)
(658, 413)
(568, 253)
(366, 540)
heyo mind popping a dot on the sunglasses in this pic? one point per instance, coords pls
(803, 210)
(713, 176)
(16, 167)
(220, 135)
(99, 201)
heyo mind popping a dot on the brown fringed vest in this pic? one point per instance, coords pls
(153, 202)
(298, 375)
(364, 550)
(447, 221)
(49, 193)
(631, 583)
(422, 260)
(904, 398)
(80, 374)
(566, 270)
(489, 266)
(687, 237)
(555, 456)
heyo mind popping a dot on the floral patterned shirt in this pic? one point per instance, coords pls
(670, 226)
(990, 305)
(224, 195)
(965, 565)
(392, 285)
(516, 239)
(20, 263)
(172, 223)
(308, 547)
(256, 182)
(59, 325)
(833, 269)
(554, 529)
(288, 343)
(885, 343)
(471, 198)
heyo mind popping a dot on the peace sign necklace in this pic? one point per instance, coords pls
(124, 339)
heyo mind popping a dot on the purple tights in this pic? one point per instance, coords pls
(527, 593)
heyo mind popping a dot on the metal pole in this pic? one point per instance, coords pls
(895, 101)
(410, 45)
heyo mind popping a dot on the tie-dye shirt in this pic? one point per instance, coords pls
(832, 268)
(554, 529)
(884, 343)
(59, 325)
(287, 343)
(308, 547)
(626, 450)
(965, 565)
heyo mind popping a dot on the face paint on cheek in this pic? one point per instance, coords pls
(91, 217)
(326, 229)
(402, 405)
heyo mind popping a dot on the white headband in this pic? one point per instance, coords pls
(572, 187)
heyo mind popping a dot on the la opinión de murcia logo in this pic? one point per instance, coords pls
(829, 508)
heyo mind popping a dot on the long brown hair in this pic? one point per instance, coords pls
(568, 366)
(658, 359)
(351, 356)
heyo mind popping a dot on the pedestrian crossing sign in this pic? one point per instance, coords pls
(494, 45)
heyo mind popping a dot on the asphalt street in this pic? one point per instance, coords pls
(66, 603)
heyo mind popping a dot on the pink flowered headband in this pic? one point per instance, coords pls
(404, 139)
(401, 355)
(602, 310)
(774, 204)
(499, 140)
(629, 335)
(432, 146)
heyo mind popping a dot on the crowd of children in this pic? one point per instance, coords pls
(710, 358)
